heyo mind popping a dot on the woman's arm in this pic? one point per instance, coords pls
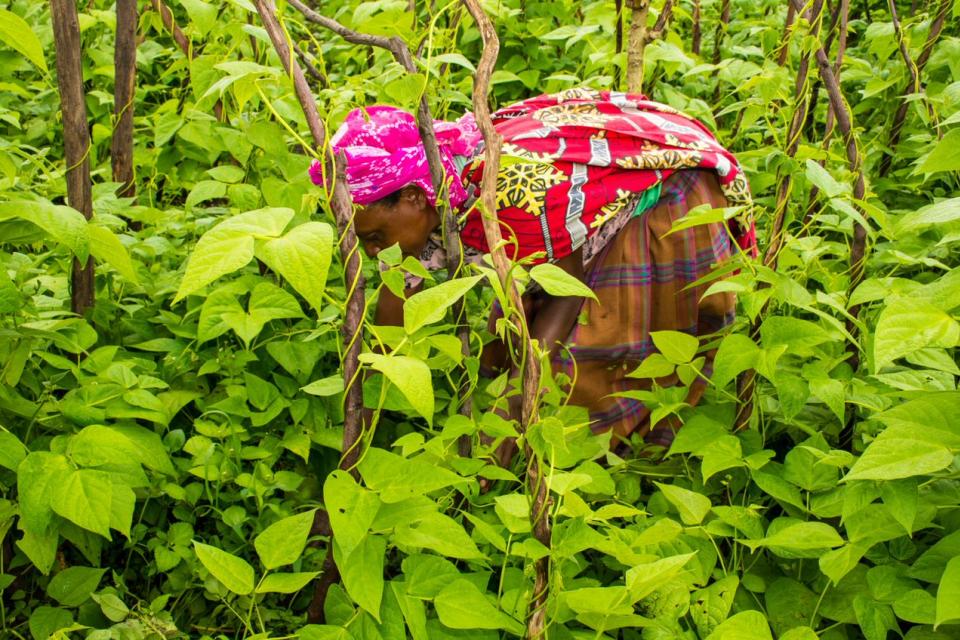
(390, 307)
(555, 316)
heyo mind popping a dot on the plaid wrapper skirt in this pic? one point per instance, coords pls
(642, 282)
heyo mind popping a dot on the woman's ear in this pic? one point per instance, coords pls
(414, 194)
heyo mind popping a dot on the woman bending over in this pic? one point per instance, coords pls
(591, 181)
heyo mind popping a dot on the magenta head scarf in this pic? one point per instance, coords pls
(384, 153)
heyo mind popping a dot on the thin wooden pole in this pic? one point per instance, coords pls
(125, 77)
(342, 207)
(76, 137)
(530, 362)
(746, 384)
(913, 86)
(696, 34)
(636, 43)
(401, 53)
(183, 42)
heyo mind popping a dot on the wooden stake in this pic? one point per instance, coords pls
(342, 207)
(76, 137)
(125, 75)
(696, 32)
(636, 44)
(530, 362)
(899, 119)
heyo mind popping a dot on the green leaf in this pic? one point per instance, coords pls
(460, 605)
(653, 366)
(917, 606)
(112, 607)
(902, 500)
(711, 606)
(302, 258)
(426, 574)
(45, 621)
(945, 156)
(235, 573)
(737, 353)
(227, 173)
(323, 632)
(410, 375)
(693, 507)
(644, 579)
(362, 572)
(558, 282)
(455, 58)
(797, 334)
(202, 14)
(283, 541)
(205, 190)
(824, 181)
(15, 32)
(329, 386)
(73, 586)
(12, 451)
(876, 620)
(948, 593)
(937, 214)
(891, 458)
(230, 245)
(905, 326)
(40, 548)
(439, 533)
(676, 346)
(286, 582)
(800, 536)
(431, 304)
(11, 299)
(85, 497)
(63, 224)
(351, 508)
(267, 302)
(396, 478)
(746, 625)
(106, 247)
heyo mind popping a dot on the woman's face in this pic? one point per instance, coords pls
(408, 223)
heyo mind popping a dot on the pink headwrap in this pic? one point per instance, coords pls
(384, 153)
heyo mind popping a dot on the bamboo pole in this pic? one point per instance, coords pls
(76, 137)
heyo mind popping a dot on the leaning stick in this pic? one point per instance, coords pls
(746, 384)
(342, 207)
(855, 161)
(183, 42)
(886, 162)
(401, 53)
(530, 363)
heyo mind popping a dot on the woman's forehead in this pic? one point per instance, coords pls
(369, 219)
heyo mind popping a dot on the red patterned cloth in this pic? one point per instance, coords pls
(573, 160)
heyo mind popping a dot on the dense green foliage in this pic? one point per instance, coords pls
(161, 459)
